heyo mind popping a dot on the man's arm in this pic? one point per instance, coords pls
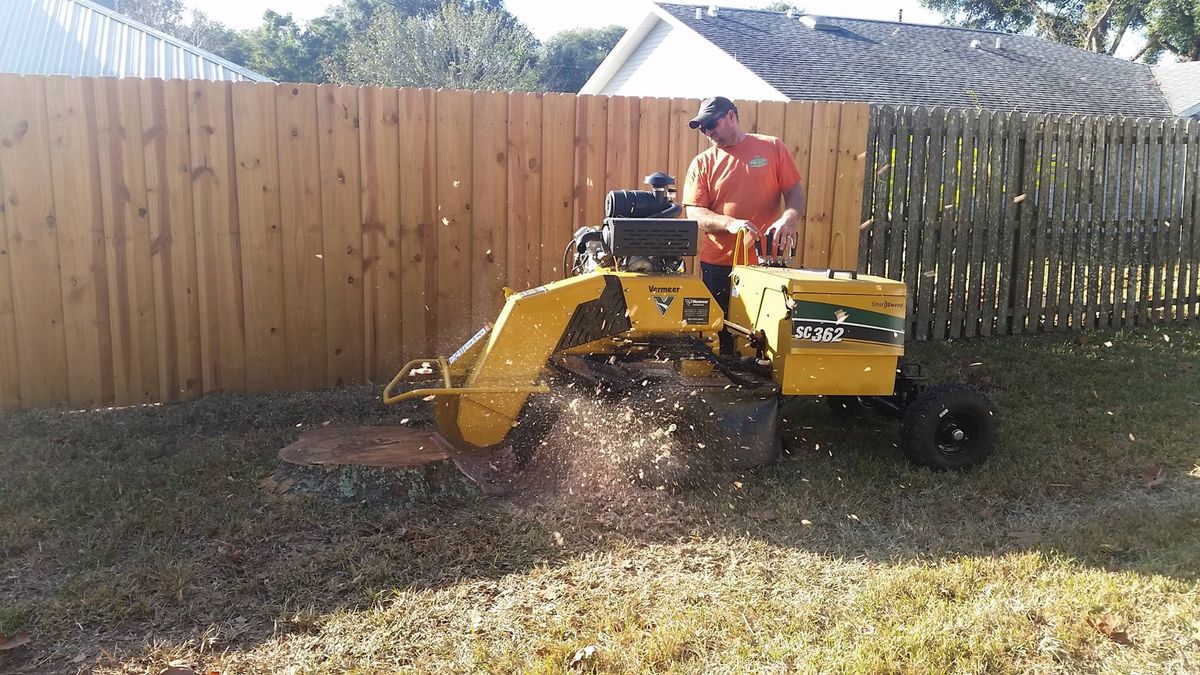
(784, 228)
(711, 221)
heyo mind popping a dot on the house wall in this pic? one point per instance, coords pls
(672, 62)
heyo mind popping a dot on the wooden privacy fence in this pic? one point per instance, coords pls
(1014, 223)
(160, 240)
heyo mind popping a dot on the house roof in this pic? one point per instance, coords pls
(912, 64)
(82, 38)
(1180, 83)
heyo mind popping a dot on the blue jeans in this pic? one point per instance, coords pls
(716, 278)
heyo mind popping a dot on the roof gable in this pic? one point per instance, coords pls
(1180, 83)
(911, 64)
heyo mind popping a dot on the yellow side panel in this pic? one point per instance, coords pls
(528, 330)
(826, 336)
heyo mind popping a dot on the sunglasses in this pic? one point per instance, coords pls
(709, 126)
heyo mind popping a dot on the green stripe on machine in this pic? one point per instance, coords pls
(807, 310)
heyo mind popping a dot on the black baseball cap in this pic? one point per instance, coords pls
(711, 109)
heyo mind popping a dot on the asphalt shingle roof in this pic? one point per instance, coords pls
(887, 62)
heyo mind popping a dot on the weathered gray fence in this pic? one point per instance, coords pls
(1019, 223)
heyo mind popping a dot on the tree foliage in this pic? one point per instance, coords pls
(1094, 25)
(568, 59)
(461, 46)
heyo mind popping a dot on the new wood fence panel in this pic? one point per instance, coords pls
(525, 246)
(489, 209)
(848, 186)
(302, 223)
(341, 201)
(32, 241)
(681, 147)
(83, 260)
(591, 159)
(218, 238)
(621, 166)
(256, 152)
(383, 263)
(654, 139)
(10, 370)
(455, 219)
(747, 115)
(130, 268)
(166, 147)
(558, 182)
(772, 119)
(419, 224)
(797, 136)
(822, 171)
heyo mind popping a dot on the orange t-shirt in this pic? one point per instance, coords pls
(743, 181)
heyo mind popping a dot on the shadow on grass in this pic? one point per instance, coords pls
(123, 523)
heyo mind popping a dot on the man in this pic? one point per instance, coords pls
(732, 189)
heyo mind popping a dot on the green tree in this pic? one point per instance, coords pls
(1094, 25)
(1173, 26)
(568, 59)
(464, 45)
(279, 49)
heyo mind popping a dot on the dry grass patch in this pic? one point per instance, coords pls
(137, 538)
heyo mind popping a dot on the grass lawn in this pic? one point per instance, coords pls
(135, 539)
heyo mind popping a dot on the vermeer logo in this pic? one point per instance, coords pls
(664, 289)
(663, 302)
(757, 162)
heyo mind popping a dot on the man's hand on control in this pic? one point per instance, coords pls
(782, 235)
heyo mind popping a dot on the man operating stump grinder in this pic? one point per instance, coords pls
(732, 189)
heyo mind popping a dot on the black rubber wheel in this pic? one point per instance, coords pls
(949, 427)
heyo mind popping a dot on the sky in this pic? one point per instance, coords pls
(547, 17)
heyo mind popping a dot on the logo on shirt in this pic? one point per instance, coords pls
(758, 161)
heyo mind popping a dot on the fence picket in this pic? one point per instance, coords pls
(454, 136)
(558, 182)
(997, 208)
(900, 205)
(10, 361)
(822, 163)
(218, 238)
(966, 267)
(379, 158)
(1039, 200)
(1192, 237)
(525, 252)
(877, 210)
(948, 208)
(1109, 224)
(846, 221)
(419, 223)
(71, 107)
(256, 152)
(302, 229)
(173, 240)
(489, 209)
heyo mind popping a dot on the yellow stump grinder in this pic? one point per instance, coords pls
(629, 318)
